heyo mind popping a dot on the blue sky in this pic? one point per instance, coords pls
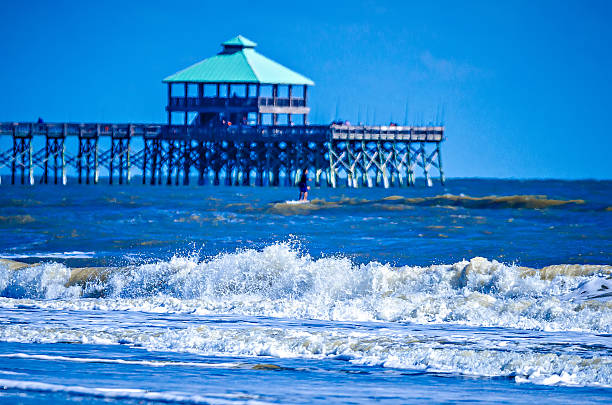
(523, 87)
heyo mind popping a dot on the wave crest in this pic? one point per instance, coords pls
(281, 281)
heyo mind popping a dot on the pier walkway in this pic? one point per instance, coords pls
(262, 155)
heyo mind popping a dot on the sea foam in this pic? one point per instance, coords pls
(280, 281)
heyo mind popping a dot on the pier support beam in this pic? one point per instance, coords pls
(22, 158)
(87, 159)
(441, 170)
(119, 159)
(54, 158)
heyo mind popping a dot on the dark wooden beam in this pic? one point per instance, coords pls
(186, 111)
(305, 96)
(169, 103)
(290, 94)
(257, 93)
(275, 98)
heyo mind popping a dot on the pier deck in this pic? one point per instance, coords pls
(232, 155)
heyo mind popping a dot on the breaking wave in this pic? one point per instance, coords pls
(280, 281)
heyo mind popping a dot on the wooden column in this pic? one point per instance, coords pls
(439, 153)
(425, 165)
(274, 98)
(186, 104)
(80, 156)
(63, 155)
(14, 160)
(169, 103)
(145, 158)
(245, 114)
(257, 93)
(227, 95)
(112, 158)
(289, 91)
(96, 161)
(305, 95)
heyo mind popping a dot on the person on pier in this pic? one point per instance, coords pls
(303, 185)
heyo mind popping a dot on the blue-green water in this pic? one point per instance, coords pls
(482, 290)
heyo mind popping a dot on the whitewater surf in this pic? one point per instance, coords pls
(159, 296)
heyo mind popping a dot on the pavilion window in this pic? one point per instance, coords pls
(176, 117)
(282, 119)
(265, 91)
(283, 91)
(238, 90)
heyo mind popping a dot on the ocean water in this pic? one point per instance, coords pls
(490, 291)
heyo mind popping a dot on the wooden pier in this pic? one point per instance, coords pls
(237, 112)
(260, 155)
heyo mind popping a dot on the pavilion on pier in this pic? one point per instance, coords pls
(237, 86)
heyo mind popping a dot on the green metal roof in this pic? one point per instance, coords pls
(238, 62)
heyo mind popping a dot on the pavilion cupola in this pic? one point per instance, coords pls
(238, 85)
(237, 44)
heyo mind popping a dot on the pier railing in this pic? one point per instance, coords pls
(242, 132)
(312, 133)
(242, 102)
(362, 155)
